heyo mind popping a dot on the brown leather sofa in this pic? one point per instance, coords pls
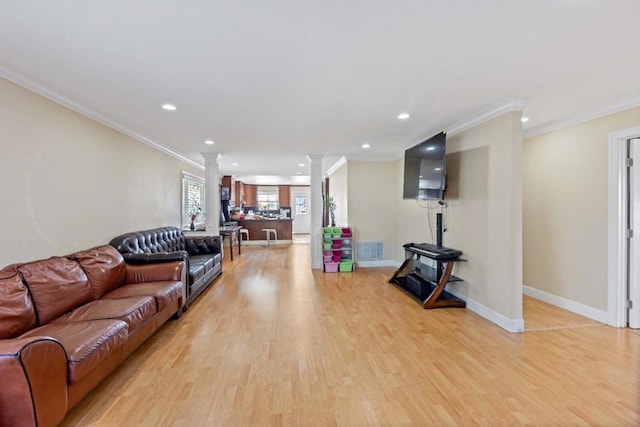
(202, 254)
(67, 322)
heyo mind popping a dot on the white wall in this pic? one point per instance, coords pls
(69, 183)
(565, 209)
(484, 197)
(372, 211)
(339, 190)
(484, 215)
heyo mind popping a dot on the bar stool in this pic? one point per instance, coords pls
(268, 232)
(244, 232)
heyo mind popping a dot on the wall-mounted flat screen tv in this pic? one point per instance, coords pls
(425, 169)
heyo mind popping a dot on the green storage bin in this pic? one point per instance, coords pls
(346, 265)
(327, 245)
(327, 230)
(337, 230)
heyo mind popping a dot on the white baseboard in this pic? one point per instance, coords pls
(379, 263)
(511, 325)
(567, 304)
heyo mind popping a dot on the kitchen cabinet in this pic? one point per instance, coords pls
(284, 195)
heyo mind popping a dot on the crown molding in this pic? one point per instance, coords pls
(91, 114)
(513, 104)
(336, 165)
(575, 120)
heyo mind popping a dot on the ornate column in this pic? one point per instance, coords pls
(316, 209)
(212, 192)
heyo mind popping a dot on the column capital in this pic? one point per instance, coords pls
(210, 156)
(315, 157)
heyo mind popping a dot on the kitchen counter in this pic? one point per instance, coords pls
(255, 226)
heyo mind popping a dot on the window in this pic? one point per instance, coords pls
(193, 209)
(268, 198)
(301, 205)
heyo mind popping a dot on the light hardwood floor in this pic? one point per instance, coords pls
(272, 343)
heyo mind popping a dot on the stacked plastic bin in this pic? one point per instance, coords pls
(331, 260)
(346, 262)
(337, 245)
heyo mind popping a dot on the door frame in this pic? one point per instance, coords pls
(307, 192)
(617, 243)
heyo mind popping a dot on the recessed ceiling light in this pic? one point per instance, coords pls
(437, 169)
(234, 164)
(403, 116)
(366, 146)
(524, 119)
(300, 164)
(420, 176)
(169, 107)
(209, 142)
(431, 148)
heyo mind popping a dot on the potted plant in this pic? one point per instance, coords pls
(331, 207)
(194, 212)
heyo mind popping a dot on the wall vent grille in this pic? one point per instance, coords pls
(369, 250)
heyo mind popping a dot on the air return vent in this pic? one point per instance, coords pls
(369, 250)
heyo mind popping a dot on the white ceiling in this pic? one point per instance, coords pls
(271, 81)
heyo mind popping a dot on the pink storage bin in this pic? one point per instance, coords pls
(328, 252)
(335, 258)
(331, 267)
(336, 245)
(328, 258)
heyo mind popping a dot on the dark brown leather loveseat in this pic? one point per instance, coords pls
(202, 254)
(67, 322)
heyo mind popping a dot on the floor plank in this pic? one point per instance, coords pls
(540, 316)
(273, 343)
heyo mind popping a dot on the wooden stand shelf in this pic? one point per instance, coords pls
(428, 283)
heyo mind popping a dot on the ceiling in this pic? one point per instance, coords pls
(271, 81)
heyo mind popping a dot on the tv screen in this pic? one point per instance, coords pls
(425, 169)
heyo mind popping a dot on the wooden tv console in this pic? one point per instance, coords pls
(427, 283)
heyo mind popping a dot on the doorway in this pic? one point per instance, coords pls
(624, 222)
(300, 210)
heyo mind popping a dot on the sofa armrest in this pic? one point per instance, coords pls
(201, 245)
(144, 258)
(141, 273)
(34, 376)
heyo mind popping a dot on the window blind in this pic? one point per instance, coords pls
(268, 198)
(193, 201)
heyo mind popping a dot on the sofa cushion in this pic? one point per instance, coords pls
(164, 292)
(206, 261)
(17, 314)
(196, 272)
(104, 267)
(87, 344)
(57, 285)
(134, 311)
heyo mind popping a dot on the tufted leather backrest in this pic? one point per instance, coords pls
(164, 239)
